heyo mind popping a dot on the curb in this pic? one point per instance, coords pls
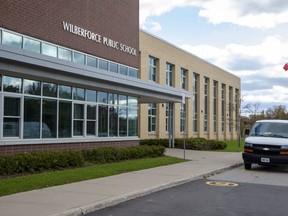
(79, 211)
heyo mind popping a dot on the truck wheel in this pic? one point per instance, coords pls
(248, 166)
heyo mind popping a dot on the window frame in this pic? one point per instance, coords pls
(152, 75)
(152, 108)
(169, 74)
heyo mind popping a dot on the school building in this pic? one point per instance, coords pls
(79, 74)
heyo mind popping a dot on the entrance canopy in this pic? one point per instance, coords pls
(28, 64)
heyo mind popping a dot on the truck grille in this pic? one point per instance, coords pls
(266, 149)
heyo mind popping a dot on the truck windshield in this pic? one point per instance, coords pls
(270, 129)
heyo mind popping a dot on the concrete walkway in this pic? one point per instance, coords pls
(86, 196)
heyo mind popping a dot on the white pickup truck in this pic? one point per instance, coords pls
(267, 143)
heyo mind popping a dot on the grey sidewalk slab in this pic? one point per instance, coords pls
(86, 196)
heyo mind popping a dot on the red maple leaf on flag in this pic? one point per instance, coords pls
(285, 67)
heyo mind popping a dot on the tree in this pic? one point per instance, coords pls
(253, 114)
(277, 112)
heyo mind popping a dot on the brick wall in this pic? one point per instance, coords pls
(23, 148)
(114, 19)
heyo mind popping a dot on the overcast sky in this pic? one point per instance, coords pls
(248, 38)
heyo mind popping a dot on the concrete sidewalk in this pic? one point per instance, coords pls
(86, 196)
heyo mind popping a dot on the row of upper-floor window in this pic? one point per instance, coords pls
(233, 105)
(152, 73)
(66, 92)
(21, 41)
(206, 84)
(183, 77)
(231, 108)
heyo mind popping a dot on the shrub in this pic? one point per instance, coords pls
(191, 143)
(113, 154)
(155, 142)
(39, 161)
(42, 161)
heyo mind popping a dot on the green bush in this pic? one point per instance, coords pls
(39, 161)
(114, 154)
(43, 161)
(155, 142)
(191, 143)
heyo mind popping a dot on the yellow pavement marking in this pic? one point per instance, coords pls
(221, 183)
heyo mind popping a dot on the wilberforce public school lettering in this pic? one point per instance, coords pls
(98, 38)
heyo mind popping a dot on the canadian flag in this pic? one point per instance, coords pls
(285, 67)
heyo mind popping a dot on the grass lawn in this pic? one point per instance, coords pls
(232, 146)
(53, 178)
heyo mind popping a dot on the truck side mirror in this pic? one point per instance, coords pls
(246, 131)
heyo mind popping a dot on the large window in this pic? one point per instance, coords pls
(123, 121)
(113, 121)
(133, 121)
(206, 107)
(169, 74)
(32, 87)
(49, 50)
(223, 109)
(133, 73)
(152, 117)
(103, 120)
(215, 106)
(32, 107)
(123, 70)
(132, 116)
(113, 114)
(230, 109)
(103, 97)
(183, 118)
(195, 101)
(41, 110)
(103, 64)
(237, 109)
(78, 121)
(123, 115)
(114, 67)
(91, 95)
(49, 118)
(64, 54)
(50, 90)
(168, 115)
(13, 40)
(12, 84)
(78, 94)
(32, 45)
(65, 119)
(152, 69)
(92, 61)
(11, 119)
(91, 120)
(184, 73)
(65, 92)
(79, 58)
